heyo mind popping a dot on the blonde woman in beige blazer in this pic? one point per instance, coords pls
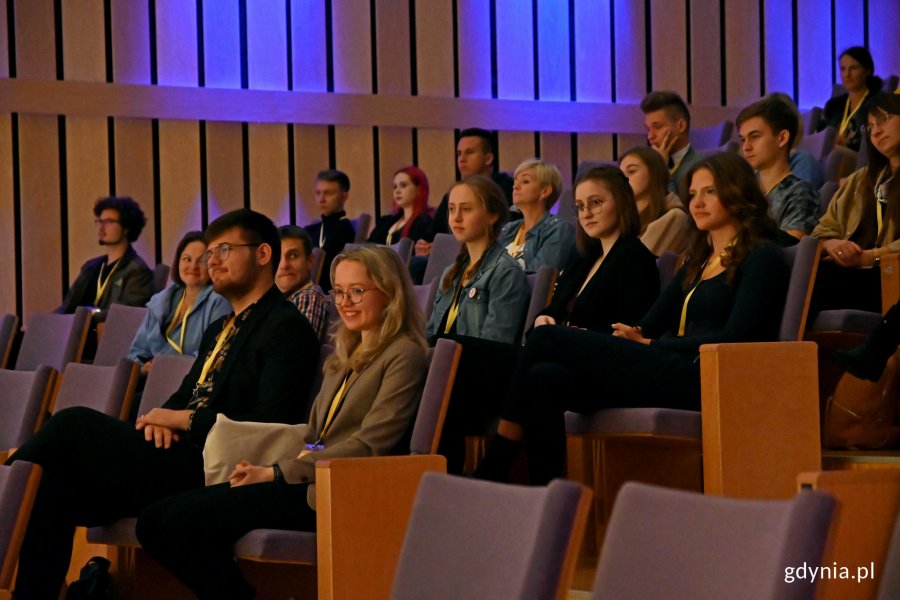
(365, 407)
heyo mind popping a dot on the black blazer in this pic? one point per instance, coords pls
(338, 232)
(419, 229)
(621, 291)
(267, 372)
(131, 284)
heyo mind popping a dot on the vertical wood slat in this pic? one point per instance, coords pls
(310, 156)
(39, 177)
(741, 52)
(849, 29)
(35, 40)
(515, 50)
(668, 49)
(84, 54)
(884, 20)
(593, 65)
(308, 45)
(267, 45)
(179, 182)
(437, 150)
(221, 44)
(224, 168)
(269, 179)
(7, 218)
(631, 64)
(134, 177)
(395, 152)
(434, 45)
(557, 149)
(779, 37)
(706, 63)
(514, 147)
(354, 150)
(814, 51)
(474, 43)
(176, 42)
(130, 41)
(4, 40)
(87, 178)
(554, 65)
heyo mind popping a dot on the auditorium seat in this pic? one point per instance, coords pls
(444, 251)
(121, 325)
(676, 545)
(425, 294)
(361, 226)
(839, 163)
(106, 389)
(161, 277)
(477, 539)
(666, 264)
(826, 193)
(811, 119)
(316, 264)
(8, 324)
(18, 486)
(819, 144)
(25, 395)
(541, 283)
(54, 340)
(712, 137)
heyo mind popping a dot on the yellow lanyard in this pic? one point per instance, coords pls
(845, 121)
(454, 308)
(879, 211)
(520, 236)
(675, 166)
(220, 341)
(707, 266)
(102, 288)
(179, 347)
(335, 405)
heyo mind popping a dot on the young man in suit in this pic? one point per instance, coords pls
(668, 124)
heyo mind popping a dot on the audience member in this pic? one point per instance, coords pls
(668, 124)
(731, 289)
(178, 315)
(539, 239)
(664, 223)
(334, 230)
(294, 278)
(862, 222)
(803, 164)
(767, 129)
(847, 111)
(366, 406)
(252, 366)
(410, 218)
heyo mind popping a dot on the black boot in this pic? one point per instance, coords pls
(498, 459)
(868, 360)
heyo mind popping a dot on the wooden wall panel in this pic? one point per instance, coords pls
(35, 40)
(706, 63)
(668, 46)
(224, 168)
(267, 45)
(593, 68)
(7, 219)
(41, 244)
(474, 44)
(434, 45)
(814, 50)
(437, 157)
(515, 146)
(741, 41)
(87, 178)
(392, 41)
(515, 50)
(134, 177)
(557, 149)
(4, 40)
(354, 151)
(630, 58)
(310, 157)
(269, 178)
(884, 20)
(554, 64)
(221, 44)
(308, 45)
(850, 28)
(352, 46)
(179, 182)
(176, 42)
(779, 70)
(593, 147)
(84, 52)
(130, 41)
(394, 152)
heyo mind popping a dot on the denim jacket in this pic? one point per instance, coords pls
(549, 243)
(151, 338)
(492, 306)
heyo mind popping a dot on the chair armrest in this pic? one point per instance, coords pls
(890, 280)
(760, 417)
(363, 505)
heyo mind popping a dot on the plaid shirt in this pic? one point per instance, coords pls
(313, 303)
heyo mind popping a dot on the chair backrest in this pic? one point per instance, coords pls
(730, 146)
(666, 264)
(889, 588)
(166, 374)
(53, 340)
(404, 249)
(429, 423)
(477, 539)
(819, 144)
(121, 325)
(161, 277)
(839, 163)
(803, 261)
(425, 294)
(324, 352)
(826, 193)
(443, 252)
(24, 393)
(710, 138)
(18, 486)
(541, 284)
(862, 156)
(8, 324)
(106, 389)
(811, 119)
(667, 543)
(316, 264)
(361, 227)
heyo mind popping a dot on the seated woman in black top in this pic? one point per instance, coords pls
(410, 218)
(731, 289)
(847, 112)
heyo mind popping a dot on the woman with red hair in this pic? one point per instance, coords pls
(409, 217)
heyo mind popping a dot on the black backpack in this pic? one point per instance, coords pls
(94, 582)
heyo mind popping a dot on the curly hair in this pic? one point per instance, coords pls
(131, 217)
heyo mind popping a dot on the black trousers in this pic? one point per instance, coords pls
(565, 369)
(96, 469)
(838, 287)
(192, 533)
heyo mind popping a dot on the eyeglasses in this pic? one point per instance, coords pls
(105, 222)
(221, 252)
(878, 121)
(355, 295)
(592, 203)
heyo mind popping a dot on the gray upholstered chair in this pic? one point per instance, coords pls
(444, 250)
(404, 249)
(18, 486)
(425, 294)
(161, 277)
(819, 144)
(541, 284)
(666, 265)
(361, 225)
(712, 137)
(826, 193)
(8, 324)
(25, 393)
(121, 325)
(316, 264)
(840, 162)
(811, 119)
(671, 544)
(54, 340)
(164, 378)
(106, 389)
(477, 539)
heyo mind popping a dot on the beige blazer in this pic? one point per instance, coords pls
(844, 213)
(670, 230)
